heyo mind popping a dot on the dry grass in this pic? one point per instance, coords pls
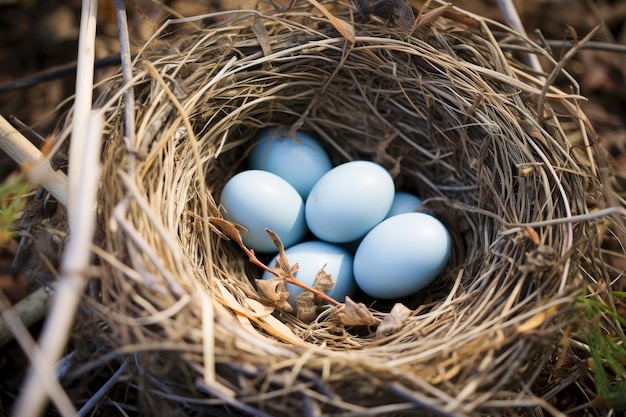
(513, 171)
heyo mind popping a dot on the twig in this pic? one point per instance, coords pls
(597, 46)
(104, 389)
(53, 73)
(64, 365)
(75, 262)
(127, 74)
(84, 169)
(25, 154)
(231, 231)
(37, 359)
(557, 70)
(29, 310)
(512, 17)
(34, 137)
(291, 280)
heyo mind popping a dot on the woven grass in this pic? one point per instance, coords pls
(455, 117)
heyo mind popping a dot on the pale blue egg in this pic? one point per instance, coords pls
(311, 257)
(260, 200)
(401, 255)
(404, 202)
(299, 160)
(348, 201)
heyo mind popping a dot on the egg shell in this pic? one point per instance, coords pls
(348, 201)
(260, 200)
(401, 255)
(311, 257)
(404, 202)
(299, 160)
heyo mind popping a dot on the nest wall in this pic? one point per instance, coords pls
(454, 117)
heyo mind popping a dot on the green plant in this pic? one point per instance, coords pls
(12, 189)
(603, 330)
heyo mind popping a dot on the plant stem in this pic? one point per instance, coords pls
(291, 280)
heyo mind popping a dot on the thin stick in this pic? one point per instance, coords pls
(512, 17)
(84, 170)
(557, 70)
(52, 73)
(127, 74)
(291, 280)
(104, 389)
(75, 262)
(36, 358)
(25, 154)
(29, 310)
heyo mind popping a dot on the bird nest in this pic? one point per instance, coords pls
(448, 107)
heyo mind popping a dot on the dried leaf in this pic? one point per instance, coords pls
(273, 325)
(305, 307)
(394, 320)
(532, 235)
(228, 230)
(307, 302)
(356, 314)
(536, 320)
(229, 301)
(429, 17)
(282, 263)
(262, 36)
(277, 328)
(323, 280)
(462, 19)
(275, 290)
(344, 28)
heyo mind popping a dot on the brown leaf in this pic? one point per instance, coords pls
(282, 263)
(344, 28)
(429, 17)
(262, 36)
(275, 290)
(394, 320)
(532, 235)
(356, 314)
(323, 281)
(228, 230)
(307, 301)
(305, 307)
(536, 321)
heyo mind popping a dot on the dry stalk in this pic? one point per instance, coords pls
(25, 154)
(83, 178)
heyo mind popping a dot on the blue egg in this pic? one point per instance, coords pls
(348, 201)
(401, 255)
(311, 258)
(299, 160)
(260, 200)
(404, 202)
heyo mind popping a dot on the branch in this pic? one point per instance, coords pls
(231, 231)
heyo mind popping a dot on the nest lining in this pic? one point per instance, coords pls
(452, 117)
